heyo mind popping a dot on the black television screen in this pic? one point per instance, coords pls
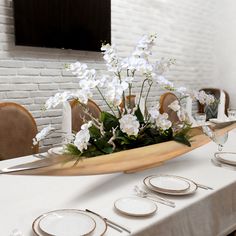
(69, 24)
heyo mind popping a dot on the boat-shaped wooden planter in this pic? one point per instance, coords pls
(128, 161)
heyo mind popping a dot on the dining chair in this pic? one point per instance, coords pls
(17, 129)
(212, 109)
(165, 100)
(78, 114)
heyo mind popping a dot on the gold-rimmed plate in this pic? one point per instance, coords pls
(99, 230)
(169, 183)
(192, 186)
(135, 206)
(226, 157)
(56, 151)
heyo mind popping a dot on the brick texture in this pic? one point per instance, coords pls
(185, 28)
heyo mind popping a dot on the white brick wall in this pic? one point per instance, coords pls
(185, 31)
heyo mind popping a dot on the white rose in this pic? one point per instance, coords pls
(162, 122)
(129, 124)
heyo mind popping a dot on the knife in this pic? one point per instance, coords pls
(110, 222)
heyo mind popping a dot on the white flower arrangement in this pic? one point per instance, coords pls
(125, 126)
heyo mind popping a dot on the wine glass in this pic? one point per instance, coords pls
(200, 118)
(232, 113)
(220, 140)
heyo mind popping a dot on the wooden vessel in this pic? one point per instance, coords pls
(125, 161)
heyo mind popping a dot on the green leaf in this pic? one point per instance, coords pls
(94, 132)
(139, 115)
(182, 139)
(109, 120)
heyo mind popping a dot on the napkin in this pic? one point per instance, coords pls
(66, 119)
(221, 107)
(188, 109)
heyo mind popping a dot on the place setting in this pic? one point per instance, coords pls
(71, 222)
(225, 159)
(167, 185)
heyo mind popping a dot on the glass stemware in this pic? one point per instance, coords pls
(220, 140)
(232, 113)
(200, 118)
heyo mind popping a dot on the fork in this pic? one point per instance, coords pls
(144, 194)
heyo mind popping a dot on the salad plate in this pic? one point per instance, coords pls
(135, 206)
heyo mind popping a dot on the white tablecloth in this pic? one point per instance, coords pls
(23, 198)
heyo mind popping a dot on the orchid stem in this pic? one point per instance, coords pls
(105, 101)
(141, 92)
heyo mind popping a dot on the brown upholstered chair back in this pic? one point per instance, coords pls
(17, 129)
(165, 100)
(78, 113)
(212, 109)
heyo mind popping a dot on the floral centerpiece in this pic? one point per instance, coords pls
(126, 125)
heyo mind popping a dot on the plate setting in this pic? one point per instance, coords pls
(69, 222)
(170, 184)
(226, 157)
(135, 206)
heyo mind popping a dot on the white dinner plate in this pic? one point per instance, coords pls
(135, 206)
(169, 183)
(67, 223)
(217, 121)
(99, 230)
(192, 186)
(226, 157)
(56, 150)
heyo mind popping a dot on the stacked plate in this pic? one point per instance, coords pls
(226, 158)
(170, 184)
(69, 222)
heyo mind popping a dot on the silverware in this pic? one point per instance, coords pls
(114, 224)
(114, 227)
(219, 164)
(148, 194)
(204, 186)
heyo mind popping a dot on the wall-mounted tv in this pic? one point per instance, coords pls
(68, 24)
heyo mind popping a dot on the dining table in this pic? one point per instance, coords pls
(209, 212)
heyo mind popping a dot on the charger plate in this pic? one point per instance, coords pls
(135, 206)
(99, 230)
(226, 157)
(192, 186)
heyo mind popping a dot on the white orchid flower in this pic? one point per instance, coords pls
(162, 81)
(42, 134)
(82, 137)
(114, 91)
(57, 99)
